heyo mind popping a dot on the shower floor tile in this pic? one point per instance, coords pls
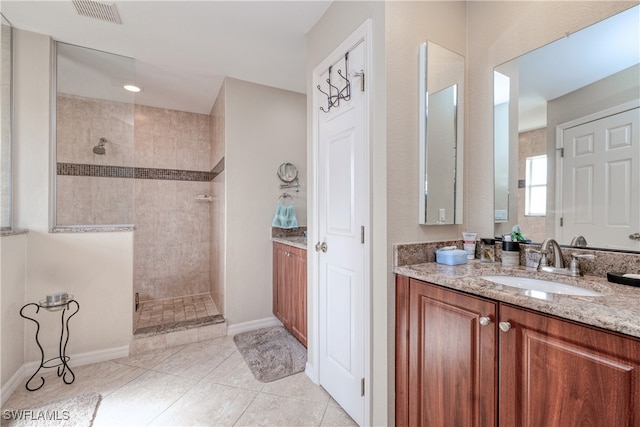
(174, 312)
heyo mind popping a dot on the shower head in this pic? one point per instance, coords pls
(99, 149)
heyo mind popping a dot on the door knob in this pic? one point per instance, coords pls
(485, 320)
(634, 236)
(321, 246)
(504, 326)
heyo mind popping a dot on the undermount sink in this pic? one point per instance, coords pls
(538, 285)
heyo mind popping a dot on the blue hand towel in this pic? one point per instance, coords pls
(285, 217)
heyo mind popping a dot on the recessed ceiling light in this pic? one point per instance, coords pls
(132, 88)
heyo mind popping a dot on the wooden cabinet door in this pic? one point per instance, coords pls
(290, 289)
(297, 273)
(452, 358)
(558, 373)
(281, 291)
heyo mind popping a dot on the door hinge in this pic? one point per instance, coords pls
(361, 75)
(362, 387)
(362, 234)
(561, 221)
(561, 150)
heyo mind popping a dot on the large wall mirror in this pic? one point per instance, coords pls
(566, 138)
(6, 72)
(441, 129)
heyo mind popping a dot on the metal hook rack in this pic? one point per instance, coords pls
(333, 99)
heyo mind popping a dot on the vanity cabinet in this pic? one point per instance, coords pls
(290, 289)
(455, 366)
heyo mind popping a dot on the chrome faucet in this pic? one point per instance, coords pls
(558, 261)
(578, 241)
(558, 266)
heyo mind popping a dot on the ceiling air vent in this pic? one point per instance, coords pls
(98, 10)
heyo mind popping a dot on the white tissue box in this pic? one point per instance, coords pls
(451, 256)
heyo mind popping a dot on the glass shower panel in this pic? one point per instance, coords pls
(94, 182)
(6, 71)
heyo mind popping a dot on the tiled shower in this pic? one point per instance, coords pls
(173, 216)
(156, 174)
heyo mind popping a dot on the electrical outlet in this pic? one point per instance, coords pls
(442, 215)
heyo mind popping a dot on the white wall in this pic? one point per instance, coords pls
(410, 24)
(264, 127)
(12, 286)
(95, 267)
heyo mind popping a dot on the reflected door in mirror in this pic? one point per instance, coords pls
(441, 127)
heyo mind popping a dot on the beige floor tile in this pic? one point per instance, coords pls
(207, 404)
(234, 372)
(103, 378)
(150, 359)
(335, 416)
(143, 399)
(298, 386)
(226, 341)
(137, 391)
(195, 360)
(270, 410)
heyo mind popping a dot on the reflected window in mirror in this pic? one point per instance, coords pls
(577, 101)
(6, 75)
(536, 186)
(441, 126)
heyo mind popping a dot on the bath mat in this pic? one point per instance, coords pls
(78, 411)
(271, 353)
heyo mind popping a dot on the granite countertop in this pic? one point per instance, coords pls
(299, 242)
(617, 310)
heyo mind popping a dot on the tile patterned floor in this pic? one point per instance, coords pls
(174, 310)
(205, 383)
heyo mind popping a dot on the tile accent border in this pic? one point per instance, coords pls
(105, 171)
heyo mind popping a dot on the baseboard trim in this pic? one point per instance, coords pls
(12, 385)
(310, 371)
(80, 359)
(252, 325)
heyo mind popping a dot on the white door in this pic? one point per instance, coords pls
(342, 210)
(601, 180)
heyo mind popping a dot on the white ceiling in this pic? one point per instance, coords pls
(184, 49)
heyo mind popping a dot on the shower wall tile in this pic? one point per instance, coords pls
(171, 245)
(81, 122)
(93, 200)
(172, 228)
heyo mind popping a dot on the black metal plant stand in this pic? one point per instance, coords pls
(60, 361)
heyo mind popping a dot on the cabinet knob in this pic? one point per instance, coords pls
(504, 326)
(485, 320)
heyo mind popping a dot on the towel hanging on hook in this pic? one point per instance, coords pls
(285, 216)
(333, 99)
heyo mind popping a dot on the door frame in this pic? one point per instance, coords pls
(361, 35)
(560, 128)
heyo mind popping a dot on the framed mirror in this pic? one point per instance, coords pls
(441, 131)
(566, 129)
